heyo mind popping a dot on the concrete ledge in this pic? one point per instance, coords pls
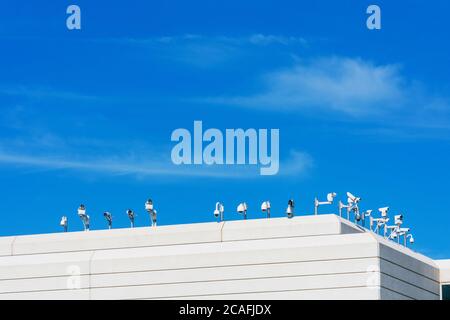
(444, 266)
(300, 226)
(117, 238)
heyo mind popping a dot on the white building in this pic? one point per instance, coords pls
(307, 257)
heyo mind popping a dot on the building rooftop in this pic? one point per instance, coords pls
(318, 253)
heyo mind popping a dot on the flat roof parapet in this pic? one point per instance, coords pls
(300, 226)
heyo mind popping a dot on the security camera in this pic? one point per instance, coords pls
(81, 210)
(218, 212)
(380, 222)
(331, 196)
(384, 211)
(330, 199)
(84, 217)
(402, 232)
(151, 210)
(149, 205)
(352, 199)
(265, 207)
(290, 209)
(398, 219)
(108, 217)
(131, 216)
(393, 235)
(393, 231)
(64, 223)
(242, 209)
(368, 213)
(355, 209)
(411, 238)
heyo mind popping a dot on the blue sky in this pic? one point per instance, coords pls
(86, 116)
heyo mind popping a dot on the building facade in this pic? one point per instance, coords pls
(307, 257)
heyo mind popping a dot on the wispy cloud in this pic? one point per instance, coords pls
(296, 164)
(350, 86)
(258, 39)
(263, 39)
(207, 50)
(40, 148)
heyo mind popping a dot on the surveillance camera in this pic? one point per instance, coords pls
(331, 196)
(290, 209)
(242, 207)
(218, 212)
(81, 210)
(265, 206)
(149, 205)
(352, 198)
(411, 239)
(404, 230)
(398, 219)
(63, 221)
(317, 203)
(368, 213)
(108, 216)
(131, 216)
(384, 211)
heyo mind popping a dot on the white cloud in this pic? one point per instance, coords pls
(253, 39)
(262, 39)
(298, 163)
(349, 86)
(205, 50)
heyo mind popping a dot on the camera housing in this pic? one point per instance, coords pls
(384, 211)
(242, 209)
(398, 219)
(218, 212)
(290, 209)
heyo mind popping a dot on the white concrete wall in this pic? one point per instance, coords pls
(408, 273)
(309, 257)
